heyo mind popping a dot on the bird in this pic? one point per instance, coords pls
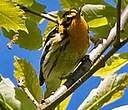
(64, 47)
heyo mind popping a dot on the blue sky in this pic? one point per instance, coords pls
(6, 65)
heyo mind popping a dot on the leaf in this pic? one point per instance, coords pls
(124, 107)
(31, 40)
(115, 63)
(77, 4)
(98, 22)
(111, 85)
(12, 98)
(27, 3)
(26, 73)
(63, 105)
(11, 17)
(92, 10)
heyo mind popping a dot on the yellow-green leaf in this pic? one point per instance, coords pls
(115, 63)
(25, 73)
(63, 105)
(11, 17)
(98, 22)
(24, 2)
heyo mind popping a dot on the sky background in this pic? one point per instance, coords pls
(7, 58)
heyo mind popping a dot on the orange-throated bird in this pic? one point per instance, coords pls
(64, 47)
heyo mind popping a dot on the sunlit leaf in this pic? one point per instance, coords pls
(24, 72)
(78, 3)
(111, 87)
(63, 105)
(11, 17)
(12, 98)
(31, 40)
(98, 22)
(115, 63)
(91, 9)
(24, 2)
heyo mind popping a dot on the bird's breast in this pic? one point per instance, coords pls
(78, 35)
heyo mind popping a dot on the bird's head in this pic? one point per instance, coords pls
(67, 17)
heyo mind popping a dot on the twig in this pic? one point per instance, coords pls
(21, 83)
(12, 41)
(43, 14)
(117, 41)
(62, 93)
(30, 96)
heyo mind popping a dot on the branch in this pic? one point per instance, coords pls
(64, 91)
(49, 17)
(117, 41)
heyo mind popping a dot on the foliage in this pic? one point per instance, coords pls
(23, 17)
(11, 17)
(114, 63)
(109, 90)
(27, 77)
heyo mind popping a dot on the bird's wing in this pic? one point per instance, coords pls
(55, 42)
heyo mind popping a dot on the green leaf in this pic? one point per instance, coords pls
(31, 40)
(11, 17)
(12, 98)
(115, 63)
(98, 22)
(24, 2)
(92, 10)
(113, 85)
(25, 73)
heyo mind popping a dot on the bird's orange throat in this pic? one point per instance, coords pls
(79, 34)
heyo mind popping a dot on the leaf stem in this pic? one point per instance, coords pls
(117, 41)
(43, 14)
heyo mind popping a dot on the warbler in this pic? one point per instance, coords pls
(63, 49)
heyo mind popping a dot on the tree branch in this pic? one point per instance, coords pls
(63, 91)
(117, 41)
(43, 14)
